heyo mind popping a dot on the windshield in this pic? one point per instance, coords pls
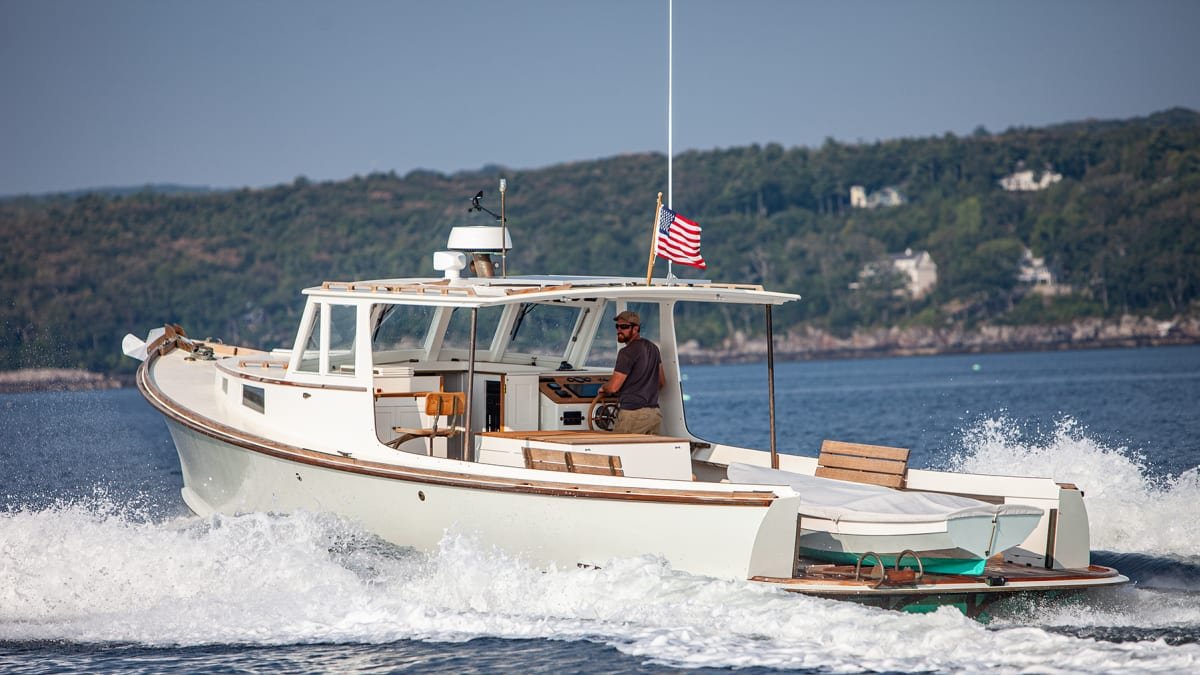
(543, 328)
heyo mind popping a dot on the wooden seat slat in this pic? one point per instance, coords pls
(861, 463)
(864, 450)
(573, 462)
(600, 465)
(886, 480)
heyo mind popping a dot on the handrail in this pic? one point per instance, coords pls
(920, 565)
(878, 565)
(439, 287)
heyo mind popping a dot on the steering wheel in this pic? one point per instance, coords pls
(602, 415)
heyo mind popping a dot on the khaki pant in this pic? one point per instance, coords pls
(640, 421)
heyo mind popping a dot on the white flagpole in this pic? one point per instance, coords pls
(670, 109)
(670, 94)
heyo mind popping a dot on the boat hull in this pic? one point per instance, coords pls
(558, 529)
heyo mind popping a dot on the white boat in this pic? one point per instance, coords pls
(843, 521)
(418, 405)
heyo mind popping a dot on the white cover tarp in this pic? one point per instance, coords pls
(840, 500)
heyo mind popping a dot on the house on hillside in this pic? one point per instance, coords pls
(916, 268)
(886, 197)
(1038, 277)
(1024, 180)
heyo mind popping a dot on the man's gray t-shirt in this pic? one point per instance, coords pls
(639, 361)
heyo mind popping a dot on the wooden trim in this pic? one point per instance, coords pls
(1051, 537)
(250, 442)
(571, 437)
(538, 289)
(441, 287)
(236, 350)
(736, 287)
(262, 363)
(398, 394)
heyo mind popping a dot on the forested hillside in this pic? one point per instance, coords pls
(1122, 228)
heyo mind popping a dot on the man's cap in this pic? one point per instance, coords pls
(628, 316)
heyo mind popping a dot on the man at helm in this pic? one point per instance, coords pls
(636, 379)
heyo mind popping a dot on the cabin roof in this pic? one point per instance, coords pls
(484, 291)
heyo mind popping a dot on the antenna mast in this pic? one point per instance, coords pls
(670, 108)
(503, 233)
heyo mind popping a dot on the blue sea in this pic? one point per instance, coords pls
(103, 569)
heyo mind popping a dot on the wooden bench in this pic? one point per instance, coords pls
(859, 463)
(573, 462)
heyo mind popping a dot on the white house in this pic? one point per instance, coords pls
(885, 197)
(1034, 273)
(920, 268)
(916, 266)
(1023, 180)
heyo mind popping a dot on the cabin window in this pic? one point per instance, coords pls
(543, 329)
(401, 332)
(310, 358)
(254, 398)
(605, 346)
(342, 328)
(458, 332)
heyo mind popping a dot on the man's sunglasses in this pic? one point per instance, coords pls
(624, 326)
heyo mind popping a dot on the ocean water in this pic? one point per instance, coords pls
(103, 569)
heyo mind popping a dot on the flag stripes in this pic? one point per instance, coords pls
(678, 239)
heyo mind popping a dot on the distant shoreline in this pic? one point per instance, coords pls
(810, 344)
(706, 357)
(57, 379)
(806, 345)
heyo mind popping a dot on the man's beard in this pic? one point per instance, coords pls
(622, 337)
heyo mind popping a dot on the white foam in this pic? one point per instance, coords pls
(1127, 606)
(88, 573)
(1130, 509)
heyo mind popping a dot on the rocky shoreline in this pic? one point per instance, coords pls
(806, 343)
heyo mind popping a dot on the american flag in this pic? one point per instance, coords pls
(679, 239)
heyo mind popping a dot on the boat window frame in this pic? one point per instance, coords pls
(587, 311)
(407, 354)
(462, 353)
(318, 317)
(304, 335)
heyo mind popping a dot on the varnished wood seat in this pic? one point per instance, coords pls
(438, 404)
(573, 462)
(859, 463)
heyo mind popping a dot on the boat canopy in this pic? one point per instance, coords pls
(484, 292)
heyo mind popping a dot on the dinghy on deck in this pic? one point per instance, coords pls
(842, 521)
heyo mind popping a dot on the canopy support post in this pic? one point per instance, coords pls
(468, 445)
(771, 385)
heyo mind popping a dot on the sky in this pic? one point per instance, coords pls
(258, 92)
